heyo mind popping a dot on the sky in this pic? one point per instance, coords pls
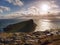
(18, 8)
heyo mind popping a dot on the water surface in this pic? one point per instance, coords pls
(45, 24)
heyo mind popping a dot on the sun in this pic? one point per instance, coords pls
(44, 8)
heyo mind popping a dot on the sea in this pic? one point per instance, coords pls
(6, 22)
(47, 24)
(42, 24)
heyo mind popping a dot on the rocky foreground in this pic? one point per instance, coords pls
(33, 38)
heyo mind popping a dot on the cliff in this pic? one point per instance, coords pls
(25, 26)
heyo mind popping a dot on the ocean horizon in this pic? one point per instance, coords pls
(42, 24)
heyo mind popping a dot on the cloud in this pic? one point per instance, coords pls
(32, 10)
(36, 8)
(15, 2)
(16, 15)
(3, 8)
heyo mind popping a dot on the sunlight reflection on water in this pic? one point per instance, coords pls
(44, 24)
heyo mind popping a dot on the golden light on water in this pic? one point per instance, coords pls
(43, 25)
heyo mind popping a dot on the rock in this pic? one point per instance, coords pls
(25, 26)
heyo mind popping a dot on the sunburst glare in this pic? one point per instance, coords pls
(44, 8)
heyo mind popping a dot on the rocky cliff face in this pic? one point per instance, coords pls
(25, 26)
